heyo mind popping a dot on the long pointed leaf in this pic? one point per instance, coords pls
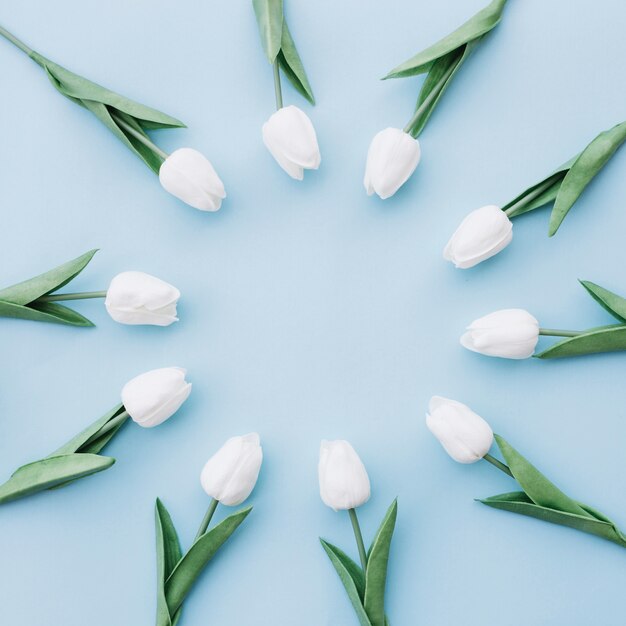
(50, 472)
(33, 288)
(590, 161)
(354, 570)
(348, 583)
(169, 554)
(269, 17)
(61, 314)
(76, 443)
(518, 502)
(291, 64)
(474, 28)
(604, 339)
(201, 552)
(448, 63)
(44, 313)
(77, 87)
(538, 488)
(613, 303)
(103, 113)
(376, 573)
(527, 200)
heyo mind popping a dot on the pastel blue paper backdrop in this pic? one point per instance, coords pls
(310, 311)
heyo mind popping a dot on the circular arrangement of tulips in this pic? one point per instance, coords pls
(230, 475)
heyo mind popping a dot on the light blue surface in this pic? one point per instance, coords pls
(310, 311)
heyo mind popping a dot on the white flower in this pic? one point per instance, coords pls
(290, 137)
(139, 298)
(465, 436)
(510, 333)
(344, 483)
(482, 234)
(392, 157)
(154, 396)
(231, 473)
(189, 175)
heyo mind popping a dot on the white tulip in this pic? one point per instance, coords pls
(465, 436)
(189, 175)
(344, 483)
(392, 157)
(510, 333)
(482, 234)
(231, 473)
(139, 298)
(154, 396)
(290, 137)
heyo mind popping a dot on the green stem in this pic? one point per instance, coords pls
(15, 41)
(137, 135)
(108, 427)
(528, 198)
(359, 538)
(499, 464)
(553, 332)
(434, 93)
(207, 518)
(61, 297)
(277, 88)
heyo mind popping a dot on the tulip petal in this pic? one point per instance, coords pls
(392, 157)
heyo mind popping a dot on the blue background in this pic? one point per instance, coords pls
(311, 311)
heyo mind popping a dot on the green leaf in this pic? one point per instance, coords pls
(613, 303)
(169, 554)
(537, 487)
(448, 64)
(201, 552)
(603, 339)
(77, 88)
(354, 570)
(518, 502)
(376, 573)
(50, 472)
(538, 195)
(346, 578)
(269, 17)
(103, 113)
(473, 29)
(76, 443)
(290, 63)
(589, 162)
(107, 106)
(33, 288)
(40, 312)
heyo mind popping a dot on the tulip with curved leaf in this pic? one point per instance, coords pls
(131, 298)
(508, 333)
(195, 182)
(146, 404)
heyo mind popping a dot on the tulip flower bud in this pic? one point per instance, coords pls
(290, 137)
(482, 234)
(465, 436)
(510, 333)
(231, 473)
(139, 298)
(155, 396)
(344, 483)
(189, 175)
(392, 157)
